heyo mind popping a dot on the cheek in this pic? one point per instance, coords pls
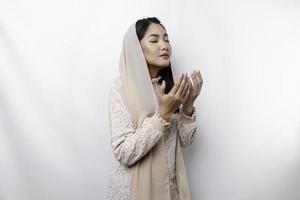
(150, 53)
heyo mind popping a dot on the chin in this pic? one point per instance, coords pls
(161, 64)
(164, 64)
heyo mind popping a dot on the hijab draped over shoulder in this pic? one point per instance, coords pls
(150, 179)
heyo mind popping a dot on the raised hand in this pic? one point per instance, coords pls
(178, 95)
(196, 82)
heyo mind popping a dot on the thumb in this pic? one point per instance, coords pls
(162, 88)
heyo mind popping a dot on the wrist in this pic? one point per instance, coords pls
(188, 110)
(164, 116)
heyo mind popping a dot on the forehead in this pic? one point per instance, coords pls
(155, 29)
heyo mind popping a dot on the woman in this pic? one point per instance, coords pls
(150, 118)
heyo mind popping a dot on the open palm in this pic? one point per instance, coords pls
(195, 83)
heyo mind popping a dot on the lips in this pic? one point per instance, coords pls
(165, 55)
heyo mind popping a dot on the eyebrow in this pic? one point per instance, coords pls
(156, 35)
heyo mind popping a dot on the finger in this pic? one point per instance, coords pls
(162, 88)
(191, 83)
(199, 79)
(185, 97)
(200, 76)
(181, 87)
(195, 79)
(186, 88)
(176, 85)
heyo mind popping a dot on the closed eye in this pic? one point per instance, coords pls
(156, 41)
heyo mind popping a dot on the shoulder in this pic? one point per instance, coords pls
(115, 97)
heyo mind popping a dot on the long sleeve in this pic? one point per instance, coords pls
(187, 127)
(130, 144)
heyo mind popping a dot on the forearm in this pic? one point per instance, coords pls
(187, 126)
(133, 145)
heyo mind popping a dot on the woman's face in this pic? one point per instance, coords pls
(155, 44)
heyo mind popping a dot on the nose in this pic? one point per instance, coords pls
(165, 48)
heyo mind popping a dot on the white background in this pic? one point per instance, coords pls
(58, 60)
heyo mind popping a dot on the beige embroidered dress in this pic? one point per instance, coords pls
(129, 144)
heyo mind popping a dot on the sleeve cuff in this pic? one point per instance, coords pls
(159, 122)
(185, 117)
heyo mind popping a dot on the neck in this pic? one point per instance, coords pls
(153, 71)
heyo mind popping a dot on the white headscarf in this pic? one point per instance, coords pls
(150, 179)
